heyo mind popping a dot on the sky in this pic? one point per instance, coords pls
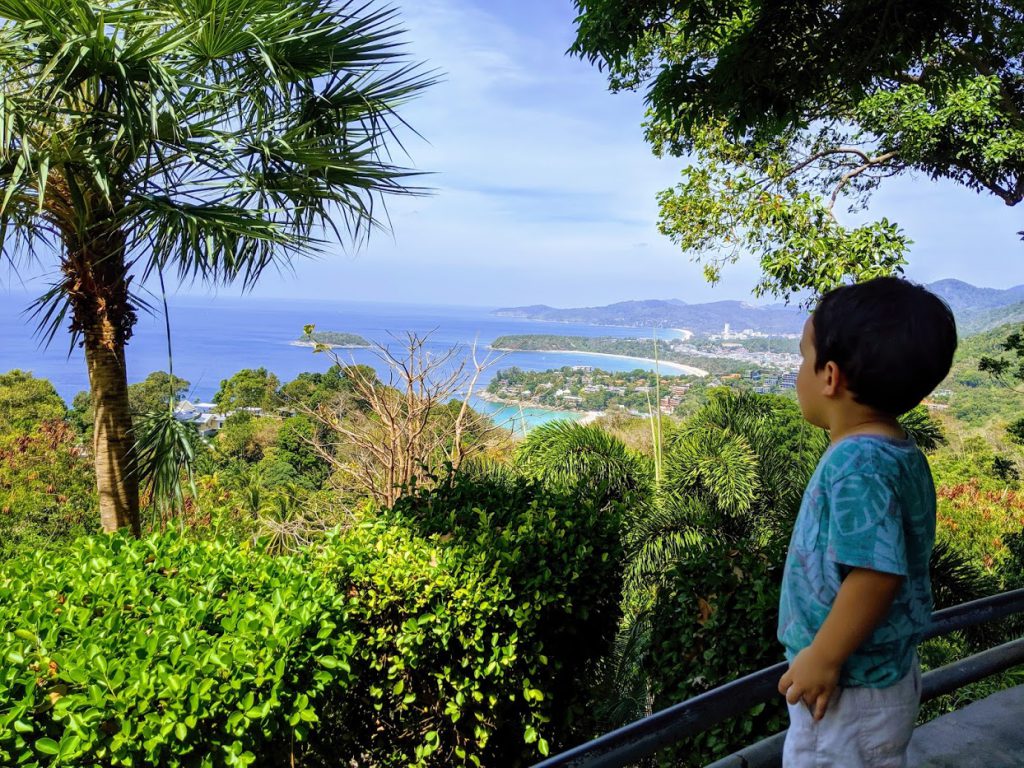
(544, 191)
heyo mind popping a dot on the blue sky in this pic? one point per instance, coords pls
(544, 190)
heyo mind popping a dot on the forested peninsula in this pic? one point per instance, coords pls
(640, 349)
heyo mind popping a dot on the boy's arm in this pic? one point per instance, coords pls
(863, 600)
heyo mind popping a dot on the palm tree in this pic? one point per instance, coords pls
(584, 459)
(211, 138)
(734, 472)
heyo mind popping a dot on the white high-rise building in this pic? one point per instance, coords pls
(725, 331)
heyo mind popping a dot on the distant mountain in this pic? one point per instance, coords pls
(976, 309)
(979, 309)
(964, 296)
(671, 313)
(971, 322)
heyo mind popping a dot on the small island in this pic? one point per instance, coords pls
(332, 339)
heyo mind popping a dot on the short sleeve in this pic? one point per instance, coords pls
(866, 525)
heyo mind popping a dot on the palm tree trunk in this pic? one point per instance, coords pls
(96, 284)
(113, 440)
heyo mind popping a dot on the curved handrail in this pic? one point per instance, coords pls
(646, 736)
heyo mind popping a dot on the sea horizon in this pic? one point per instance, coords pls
(213, 337)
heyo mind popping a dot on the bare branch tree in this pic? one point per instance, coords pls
(386, 435)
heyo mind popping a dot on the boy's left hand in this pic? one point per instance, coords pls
(811, 678)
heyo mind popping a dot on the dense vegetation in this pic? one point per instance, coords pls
(293, 608)
(357, 571)
(432, 634)
(975, 397)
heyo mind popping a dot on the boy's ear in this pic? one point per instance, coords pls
(832, 379)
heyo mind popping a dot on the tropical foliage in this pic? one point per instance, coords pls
(791, 111)
(451, 631)
(47, 489)
(249, 388)
(530, 600)
(26, 401)
(359, 571)
(147, 137)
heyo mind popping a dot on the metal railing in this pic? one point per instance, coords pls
(669, 726)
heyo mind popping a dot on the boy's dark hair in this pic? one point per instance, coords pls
(893, 341)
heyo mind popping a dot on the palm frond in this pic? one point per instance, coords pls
(923, 429)
(165, 454)
(628, 697)
(955, 579)
(720, 463)
(490, 471)
(222, 136)
(573, 457)
(287, 522)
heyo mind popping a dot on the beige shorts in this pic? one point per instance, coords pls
(862, 727)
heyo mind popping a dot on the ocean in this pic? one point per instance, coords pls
(215, 336)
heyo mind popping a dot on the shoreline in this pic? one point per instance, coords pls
(687, 370)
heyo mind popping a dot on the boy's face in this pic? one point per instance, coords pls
(813, 388)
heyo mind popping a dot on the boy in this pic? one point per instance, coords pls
(856, 594)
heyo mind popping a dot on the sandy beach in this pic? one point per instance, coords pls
(687, 370)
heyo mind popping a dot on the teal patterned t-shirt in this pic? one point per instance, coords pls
(869, 504)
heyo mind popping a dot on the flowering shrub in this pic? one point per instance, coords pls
(975, 522)
(47, 488)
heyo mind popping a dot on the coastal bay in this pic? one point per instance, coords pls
(680, 368)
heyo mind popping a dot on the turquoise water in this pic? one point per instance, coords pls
(214, 337)
(514, 418)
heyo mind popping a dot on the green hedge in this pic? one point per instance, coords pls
(388, 644)
(561, 556)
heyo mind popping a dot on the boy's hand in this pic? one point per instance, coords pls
(864, 598)
(811, 678)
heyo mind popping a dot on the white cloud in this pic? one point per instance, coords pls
(536, 168)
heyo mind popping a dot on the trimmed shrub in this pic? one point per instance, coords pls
(389, 644)
(163, 652)
(561, 557)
